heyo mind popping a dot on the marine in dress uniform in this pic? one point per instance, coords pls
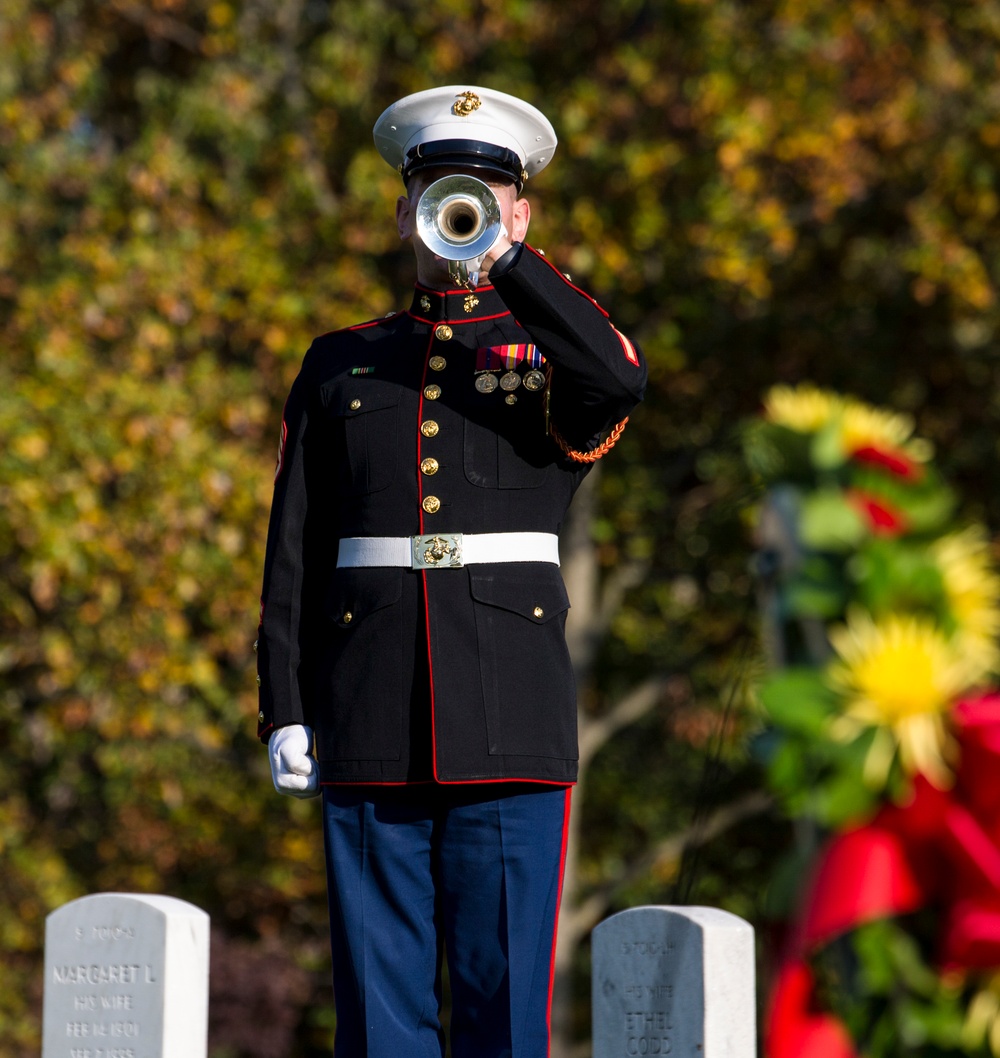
(411, 653)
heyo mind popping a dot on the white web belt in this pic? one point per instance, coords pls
(447, 550)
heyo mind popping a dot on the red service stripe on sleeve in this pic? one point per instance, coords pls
(281, 449)
(631, 355)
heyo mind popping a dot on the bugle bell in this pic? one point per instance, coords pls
(458, 218)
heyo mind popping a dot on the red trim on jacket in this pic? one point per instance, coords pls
(481, 782)
(451, 290)
(455, 320)
(569, 283)
(449, 782)
(423, 572)
(627, 347)
(359, 326)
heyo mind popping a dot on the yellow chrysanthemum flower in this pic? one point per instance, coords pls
(864, 426)
(982, 1020)
(804, 408)
(808, 409)
(900, 676)
(972, 589)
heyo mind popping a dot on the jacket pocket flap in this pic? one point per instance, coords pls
(356, 593)
(358, 396)
(537, 598)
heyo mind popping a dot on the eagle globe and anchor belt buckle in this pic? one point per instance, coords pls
(437, 551)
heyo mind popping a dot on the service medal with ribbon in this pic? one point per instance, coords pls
(491, 360)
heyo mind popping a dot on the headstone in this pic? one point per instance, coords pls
(126, 976)
(675, 981)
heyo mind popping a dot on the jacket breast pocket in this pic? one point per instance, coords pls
(359, 670)
(527, 676)
(508, 451)
(366, 413)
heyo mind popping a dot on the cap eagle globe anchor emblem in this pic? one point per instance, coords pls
(466, 104)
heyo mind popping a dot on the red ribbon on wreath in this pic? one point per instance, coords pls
(940, 849)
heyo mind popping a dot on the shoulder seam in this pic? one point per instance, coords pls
(359, 326)
(569, 283)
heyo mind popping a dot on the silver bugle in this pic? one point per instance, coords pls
(458, 218)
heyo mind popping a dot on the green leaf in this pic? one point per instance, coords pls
(799, 700)
(827, 449)
(830, 523)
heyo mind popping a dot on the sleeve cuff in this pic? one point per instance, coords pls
(505, 262)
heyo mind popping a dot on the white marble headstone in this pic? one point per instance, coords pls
(126, 976)
(675, 981)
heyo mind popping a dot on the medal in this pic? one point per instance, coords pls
(510, 381)
(534, 380)
(486, 382)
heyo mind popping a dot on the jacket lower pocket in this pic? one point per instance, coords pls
(527, 676)
(359, 670)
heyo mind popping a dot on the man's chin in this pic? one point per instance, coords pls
(437, 276)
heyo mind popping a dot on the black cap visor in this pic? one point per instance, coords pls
(465, 154)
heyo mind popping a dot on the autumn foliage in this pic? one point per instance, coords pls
(764, 192)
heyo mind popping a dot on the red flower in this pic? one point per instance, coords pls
(883, 519)
(893, 460)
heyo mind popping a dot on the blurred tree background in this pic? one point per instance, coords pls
(760, 190)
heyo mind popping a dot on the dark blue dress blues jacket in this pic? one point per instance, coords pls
(454, 675)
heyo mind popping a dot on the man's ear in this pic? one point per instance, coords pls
(520, 220)
(403, 217)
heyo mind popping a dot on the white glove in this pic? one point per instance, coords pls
(475, 263)
(294, 770)
(501, 234)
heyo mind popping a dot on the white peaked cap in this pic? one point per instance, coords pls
(468, 127)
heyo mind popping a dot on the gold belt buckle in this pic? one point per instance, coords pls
(436, 551)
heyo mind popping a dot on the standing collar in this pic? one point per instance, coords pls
(456, 306)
